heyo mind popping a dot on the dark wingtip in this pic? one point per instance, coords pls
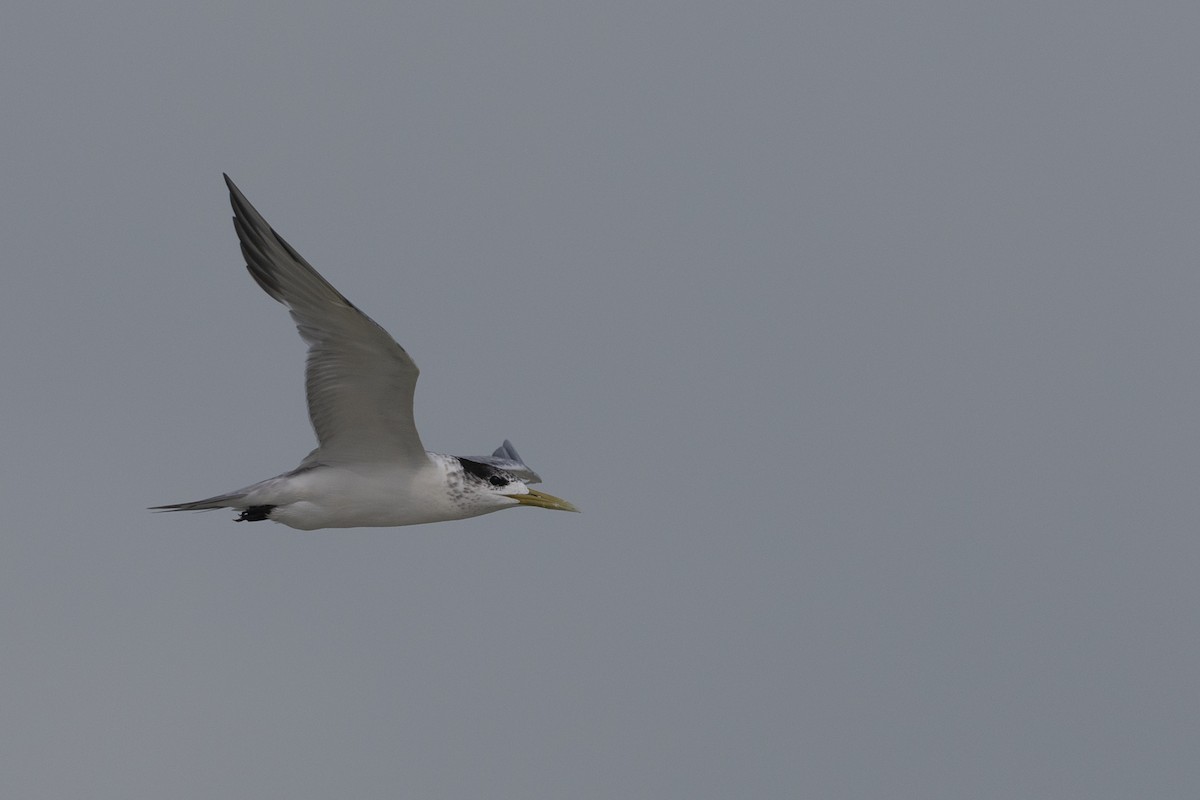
(235, 194)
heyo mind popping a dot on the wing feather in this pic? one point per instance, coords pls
(505, 457)
(359, 381)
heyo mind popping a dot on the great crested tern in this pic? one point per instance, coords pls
(370, 468)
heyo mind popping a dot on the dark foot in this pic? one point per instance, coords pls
(255, 514)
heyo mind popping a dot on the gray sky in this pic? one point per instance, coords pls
(864, 334)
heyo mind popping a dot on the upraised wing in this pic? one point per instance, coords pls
(359, 381)
(505, 457)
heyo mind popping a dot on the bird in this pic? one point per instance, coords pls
(369, 468)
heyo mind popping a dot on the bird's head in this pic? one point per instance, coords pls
(505, 489)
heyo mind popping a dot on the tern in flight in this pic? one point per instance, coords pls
(370, 468)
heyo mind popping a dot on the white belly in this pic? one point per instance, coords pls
(365, 496)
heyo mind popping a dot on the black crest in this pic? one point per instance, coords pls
(484, 472)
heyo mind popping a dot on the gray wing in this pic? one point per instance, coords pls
(359, 381)
(505, 457)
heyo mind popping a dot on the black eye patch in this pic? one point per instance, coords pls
(483, 472)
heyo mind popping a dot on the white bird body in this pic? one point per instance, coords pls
(370, 468)
(366, 494)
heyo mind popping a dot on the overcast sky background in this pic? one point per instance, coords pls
(864, 334)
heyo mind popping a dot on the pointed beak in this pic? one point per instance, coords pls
(543, 500)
